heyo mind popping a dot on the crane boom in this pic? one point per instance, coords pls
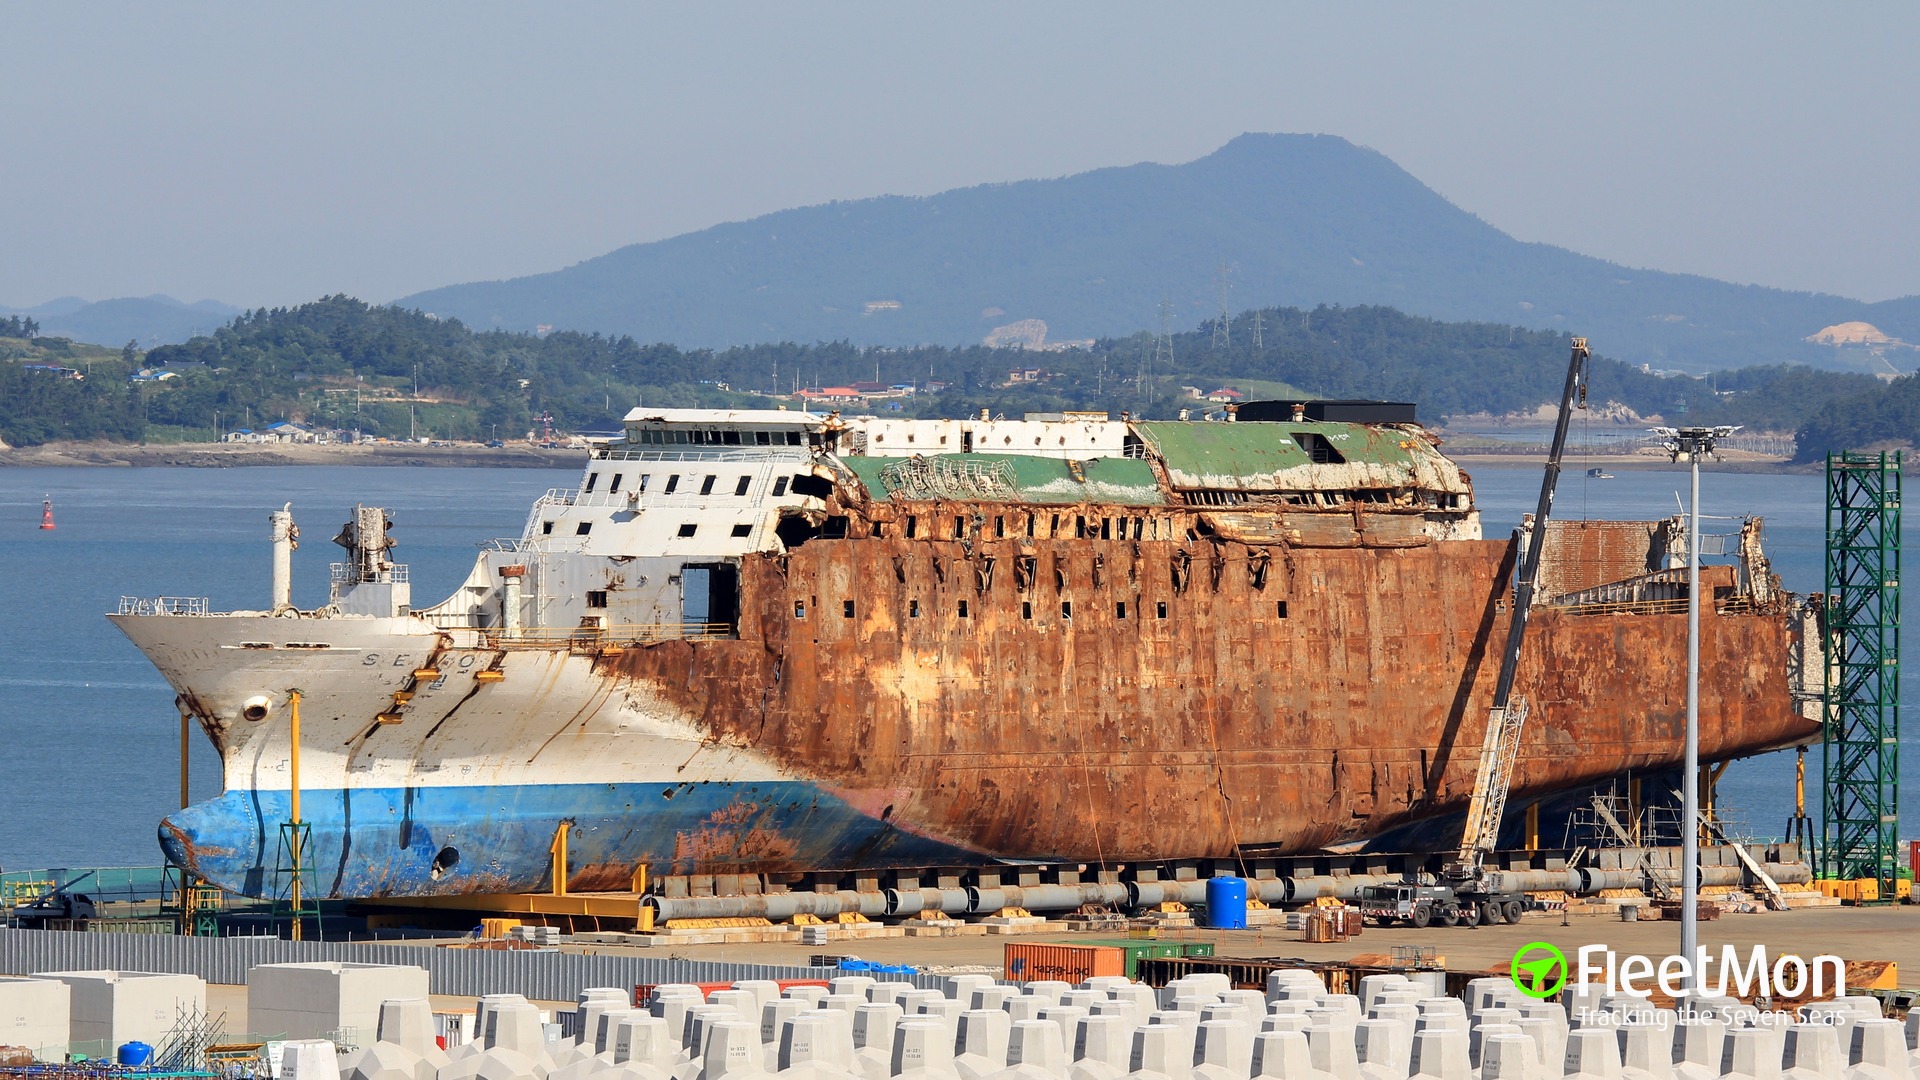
(1507, 717)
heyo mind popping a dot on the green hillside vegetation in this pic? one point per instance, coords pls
(38, 406)
(387, 372)
(1299, 220)
(1885, 417)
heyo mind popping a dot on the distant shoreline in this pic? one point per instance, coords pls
(1573, 464)
(522, 456)
(240, 455)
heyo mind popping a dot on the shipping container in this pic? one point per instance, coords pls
(1064, 963)
(1136, 950)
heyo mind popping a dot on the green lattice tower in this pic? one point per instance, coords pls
(1861, 754)
(295, 863)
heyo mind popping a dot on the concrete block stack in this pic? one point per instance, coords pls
(36, 1015)
(1198, 1027)
(320, 1000)
(111, 1008)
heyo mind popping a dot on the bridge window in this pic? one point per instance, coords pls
(710, 597)
(583, 528)
(614, 488)
(672, 482)
(592, 478)
(688, 529)
(741, 487)
(742, 530)
(780, 487)
(706, 486)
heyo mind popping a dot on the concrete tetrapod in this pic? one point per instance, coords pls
(385, 1061)
(1383, 1047)
(1879, 1051)
(1700, 1043)
(1159, 1053)
(309, 1059)
(922, 1050)
(1101, 1046)
(1034, 1052)
(873, 1025)
(1749, 1055)
(1813, 1052)
(1646, 1048)
(1440, 1053)
(1222, 1050)
(773, 1020)
(980, 1043)
(1283, 1055)
(731, 1051)
(1332, 1049)
(814, 1046)
(644, 1039)
(1593, 1053)
(1509, 1057)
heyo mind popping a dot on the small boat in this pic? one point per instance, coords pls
(46, 513)
(1599, 474)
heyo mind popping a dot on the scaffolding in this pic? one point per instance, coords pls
(1861, 752)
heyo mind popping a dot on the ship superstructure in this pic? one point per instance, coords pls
(767, 641)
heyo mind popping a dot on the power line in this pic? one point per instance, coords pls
(1222, 334)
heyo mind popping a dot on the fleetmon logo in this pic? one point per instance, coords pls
(1539, 969)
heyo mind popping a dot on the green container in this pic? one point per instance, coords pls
(1135, 950)
(1196, 948)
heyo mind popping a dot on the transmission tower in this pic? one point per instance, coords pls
(1222, 335)
(1861, 753)
(1159, 358)
(1258, 320)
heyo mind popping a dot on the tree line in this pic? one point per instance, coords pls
(338, 362)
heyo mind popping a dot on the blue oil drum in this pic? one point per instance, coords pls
(133, 1053)
(1227, 903)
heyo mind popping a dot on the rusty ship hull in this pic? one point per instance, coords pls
(897, 675)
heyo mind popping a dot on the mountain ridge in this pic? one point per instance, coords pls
(147, 320)
(1301, 220)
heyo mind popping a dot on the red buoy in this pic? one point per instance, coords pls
(46, 513)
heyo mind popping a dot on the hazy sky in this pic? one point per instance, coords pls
(268, 154)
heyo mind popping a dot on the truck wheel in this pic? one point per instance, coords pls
(1470, 916)
(1422, 916)
(1491, 913)
(1450, 917)
(1513, 910)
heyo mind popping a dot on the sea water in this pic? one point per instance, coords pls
(89, 737)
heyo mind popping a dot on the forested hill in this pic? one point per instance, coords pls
(339, 363)
(1300, 220)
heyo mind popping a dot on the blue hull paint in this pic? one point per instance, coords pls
(369, 842)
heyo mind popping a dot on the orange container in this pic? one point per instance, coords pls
(1063, 963)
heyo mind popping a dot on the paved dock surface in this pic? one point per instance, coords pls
(1870, 933)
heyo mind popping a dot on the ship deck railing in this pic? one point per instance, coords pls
(1663, 592)
(797, 454)
(598, 638)
(164, 605)
(633, 500)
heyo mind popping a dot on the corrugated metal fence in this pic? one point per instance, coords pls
(544, 976)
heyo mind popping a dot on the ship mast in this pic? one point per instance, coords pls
(1507, 717)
